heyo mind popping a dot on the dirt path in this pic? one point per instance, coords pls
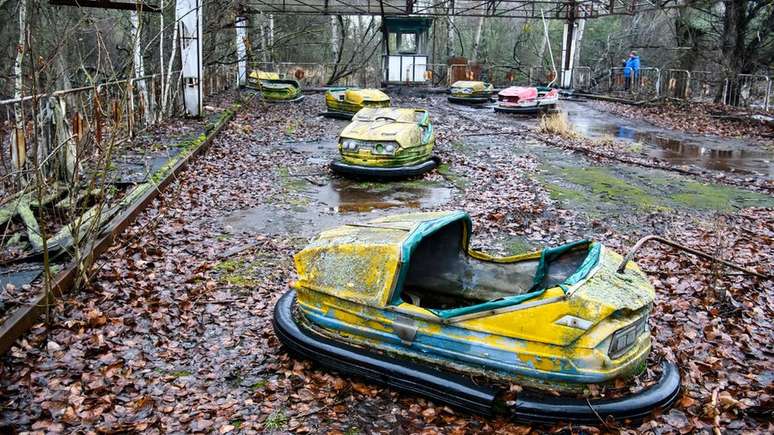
(175, 332)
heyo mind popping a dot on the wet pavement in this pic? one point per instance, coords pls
(337, 201)
(619, 193)
(679, 148)
(325, 200)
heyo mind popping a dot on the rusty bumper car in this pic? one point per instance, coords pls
(527, 100)
(274, 89)
(470, 92)
(386, 143)
(343, 103)
(404, 301)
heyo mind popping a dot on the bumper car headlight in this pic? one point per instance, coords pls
(349, 144)
(388, 148)
(624, 338)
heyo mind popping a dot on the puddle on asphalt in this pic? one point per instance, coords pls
(343, 201)
(709, 152)
(345, 196)
(273, 220)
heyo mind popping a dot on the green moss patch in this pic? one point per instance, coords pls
(459, 181)
(606, 190)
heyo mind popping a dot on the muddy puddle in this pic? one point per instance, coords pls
(709, 152)
(316, 200)
(345, 196)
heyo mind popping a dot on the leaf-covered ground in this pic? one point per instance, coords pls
(174, 334)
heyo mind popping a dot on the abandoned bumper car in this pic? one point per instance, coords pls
(470, 92)
(345, 102)
(386, 143)
(404, 301)
(273, 89)
(527, 100)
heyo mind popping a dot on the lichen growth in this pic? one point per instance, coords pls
(238, 272)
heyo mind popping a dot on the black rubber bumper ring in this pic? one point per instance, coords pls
(378, 172)
(459, 391)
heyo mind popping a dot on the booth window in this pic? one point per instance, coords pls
(403, 43)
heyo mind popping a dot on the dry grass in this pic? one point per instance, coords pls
(606, 140)
(557, 123)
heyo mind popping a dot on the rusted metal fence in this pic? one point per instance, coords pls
(676, 83)
(582, 78)
(74, 124)
(748, 90)
(541, 75)
(643, 83)
(745, 90)
(705, 86)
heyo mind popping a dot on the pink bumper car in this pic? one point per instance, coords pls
(527, 100)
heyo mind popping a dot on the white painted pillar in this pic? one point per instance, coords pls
(571, 37)
(189, 19)
(241, 35)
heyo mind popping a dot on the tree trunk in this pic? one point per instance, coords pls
(334, 40)
(449, 36)
(18, 148)
(161, 54)
(734, 59)
(139, 68)
(271, 37)
(264, 42)
(477, 40)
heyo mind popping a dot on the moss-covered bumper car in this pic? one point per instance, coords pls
(386, 143)
(343, 103)
(273, 89)
(527, 100)
(470, 92)
(404, 301)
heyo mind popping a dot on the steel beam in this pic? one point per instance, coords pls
(108, 4)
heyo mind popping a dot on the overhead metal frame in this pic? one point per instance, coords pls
(553, 9)
(138, 6)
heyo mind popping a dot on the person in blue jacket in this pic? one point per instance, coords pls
(631, 69)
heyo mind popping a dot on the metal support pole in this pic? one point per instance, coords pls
(568, 52)
(188, 14)
(241, 35)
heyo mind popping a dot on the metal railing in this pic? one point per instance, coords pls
(748, 90)
(541, 75)
(676, 84)
(582, 78)
(644, 82)
(80, 121)
(705, 86)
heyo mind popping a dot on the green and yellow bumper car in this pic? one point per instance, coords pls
(345, 102)
(386, 143)
(470, 92)
(273, 89)
(405, 301)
